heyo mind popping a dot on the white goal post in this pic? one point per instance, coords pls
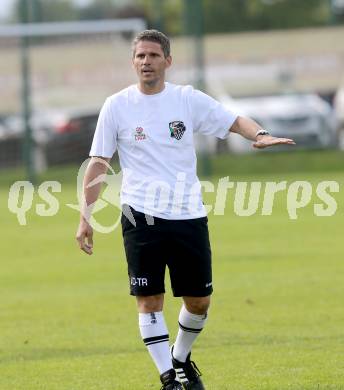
(71, 28)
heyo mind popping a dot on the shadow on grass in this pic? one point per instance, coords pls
(307, 342)
(35, 354)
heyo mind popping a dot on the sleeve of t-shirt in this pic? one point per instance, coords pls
(209, 116)
(105, 136)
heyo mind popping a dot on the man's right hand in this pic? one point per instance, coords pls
(96, 167)
(84, 236)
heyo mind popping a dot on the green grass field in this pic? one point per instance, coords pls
(276, 322)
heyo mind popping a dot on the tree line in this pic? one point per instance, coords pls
(169, 15)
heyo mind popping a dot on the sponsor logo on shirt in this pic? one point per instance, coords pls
(139, 134)
(177, 129)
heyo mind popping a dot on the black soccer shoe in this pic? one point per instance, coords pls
(168, 380)
(188, 373)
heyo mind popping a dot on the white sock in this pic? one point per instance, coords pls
(190, 326)
(155, 335)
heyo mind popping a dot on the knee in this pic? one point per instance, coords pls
(197, 305)
(150, 303)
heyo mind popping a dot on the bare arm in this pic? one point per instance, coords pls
(97, 166)
(248, 128)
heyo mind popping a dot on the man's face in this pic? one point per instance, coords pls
(150, 63)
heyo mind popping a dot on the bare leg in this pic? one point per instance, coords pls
(150, 304)
(197, 305)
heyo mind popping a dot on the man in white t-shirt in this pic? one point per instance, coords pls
(164, 222)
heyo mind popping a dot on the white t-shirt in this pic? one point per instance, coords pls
(154, 138)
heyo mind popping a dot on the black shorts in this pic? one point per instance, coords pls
(182, 245)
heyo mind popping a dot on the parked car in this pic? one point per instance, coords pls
(70, 134)
(306, 118)
(3, 130)
(339, 111)
(61, 136)
(10, 144)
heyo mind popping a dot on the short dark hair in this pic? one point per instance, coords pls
(153, 36)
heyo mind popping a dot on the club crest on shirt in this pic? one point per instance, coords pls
(177, 129)
(139, 134)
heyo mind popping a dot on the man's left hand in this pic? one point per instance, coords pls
(265, 141)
